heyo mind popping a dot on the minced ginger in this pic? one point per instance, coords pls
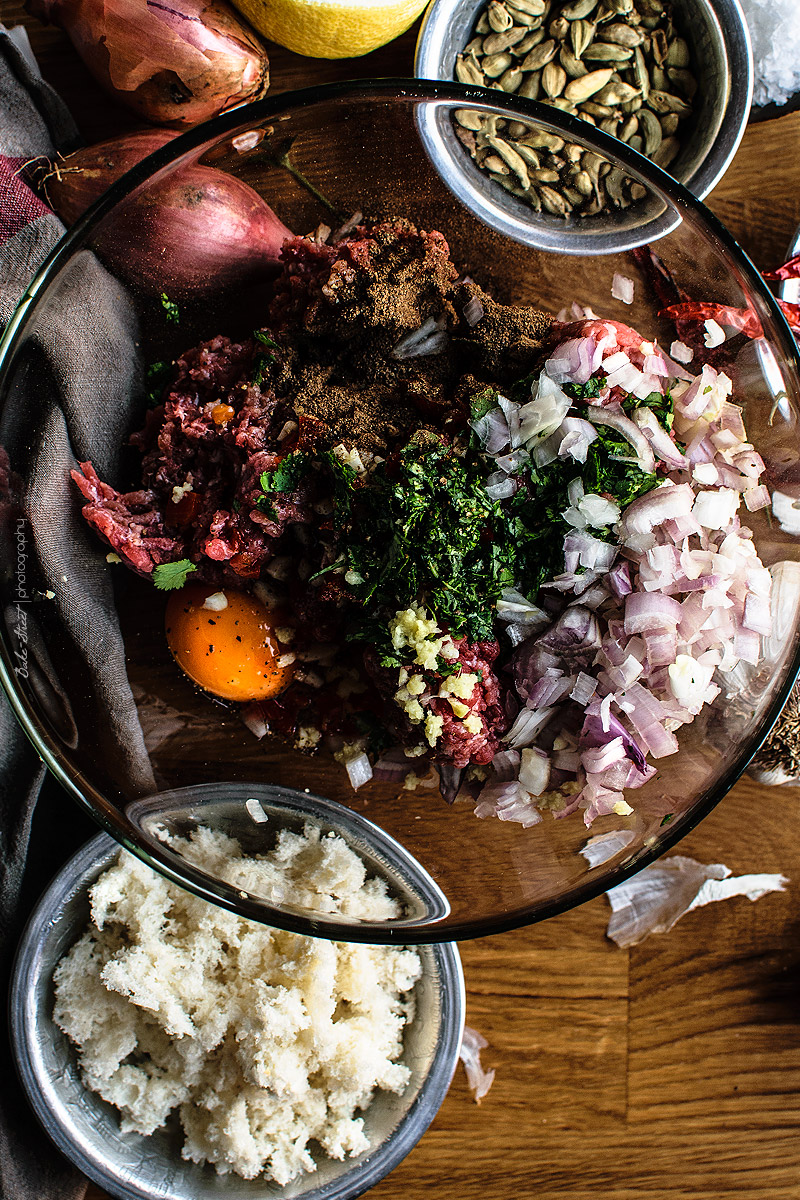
(262, 1040)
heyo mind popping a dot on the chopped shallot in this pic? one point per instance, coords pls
(622, 288)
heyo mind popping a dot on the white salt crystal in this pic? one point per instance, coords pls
(775, 33)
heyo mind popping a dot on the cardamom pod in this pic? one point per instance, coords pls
(499, 17)
(607, 52)
(554, 79)
(651, 128)
(623, 35)
(540, 56)
(573, 66)
(589, 85)
(554, 202)
(664, 102)
(580, 35)
(678, 53)
(578, 10)
(468, 71)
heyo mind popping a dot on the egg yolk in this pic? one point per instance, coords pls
(231, 652)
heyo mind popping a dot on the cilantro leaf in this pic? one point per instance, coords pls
(482, 403)
(265, 357)
(286, 476)
(171, 309)
(666, 820)
(156, 379)
(167, 576)
(660, 403)
(584, 391)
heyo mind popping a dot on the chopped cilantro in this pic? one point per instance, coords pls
(610, 471)
(288, 473)
(661, 405)
(666, 820)
(482, 403)
(425, 529)
(585, 391)
(156, 379)
(284, 478)
(168, 576)
(171, 310)
(265, 357)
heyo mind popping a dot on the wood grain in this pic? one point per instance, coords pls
(666, 1072)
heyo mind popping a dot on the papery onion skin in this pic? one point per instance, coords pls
(173, 62)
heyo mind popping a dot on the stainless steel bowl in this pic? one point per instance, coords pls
(134, 1167)
(720, 42)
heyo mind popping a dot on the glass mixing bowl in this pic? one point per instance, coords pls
(84, 659)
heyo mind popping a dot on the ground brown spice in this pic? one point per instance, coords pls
(340, 368)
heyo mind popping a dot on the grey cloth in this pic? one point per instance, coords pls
(71, 397)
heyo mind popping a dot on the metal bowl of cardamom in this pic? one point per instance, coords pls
(565, 99)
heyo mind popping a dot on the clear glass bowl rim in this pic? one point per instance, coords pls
(403, 90)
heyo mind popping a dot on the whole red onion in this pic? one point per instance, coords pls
(199, 230)
(174, 62)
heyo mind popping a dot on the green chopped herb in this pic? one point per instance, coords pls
(288, 473)
(666, 820)
(156, 380)
(265, 357)
(425, 529)
(171, 575)
(171, 309)
(284, 478)
(585, 391)
(661, 404)
(482, 403)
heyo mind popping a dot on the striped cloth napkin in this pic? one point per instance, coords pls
(34, 122)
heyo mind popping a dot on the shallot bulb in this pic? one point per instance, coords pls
(78, 180)
(198, 230)
(174, 62)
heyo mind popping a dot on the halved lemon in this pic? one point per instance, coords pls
(331, 28)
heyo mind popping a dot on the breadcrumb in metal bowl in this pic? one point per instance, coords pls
(83, 653)
(138, 1167)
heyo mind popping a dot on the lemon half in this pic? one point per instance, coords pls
(331, 28)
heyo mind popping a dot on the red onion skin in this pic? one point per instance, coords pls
(173, 62)
(77, 181)
(200, 230)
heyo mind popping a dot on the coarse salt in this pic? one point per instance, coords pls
(775, 33)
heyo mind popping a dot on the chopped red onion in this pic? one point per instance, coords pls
(681, 352)
(616, 419)
(534, 772)
(756, 498)
(430, 338)
(585, 687)
(505, 765)
(253, 717)
(473, 311)
(500, 486)
(527, 727)
(662, 444)
(622, 288)
(714, 335)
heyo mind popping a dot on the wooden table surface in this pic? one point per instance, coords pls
(672, 1069)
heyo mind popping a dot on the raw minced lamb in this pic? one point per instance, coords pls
(262, 1040)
